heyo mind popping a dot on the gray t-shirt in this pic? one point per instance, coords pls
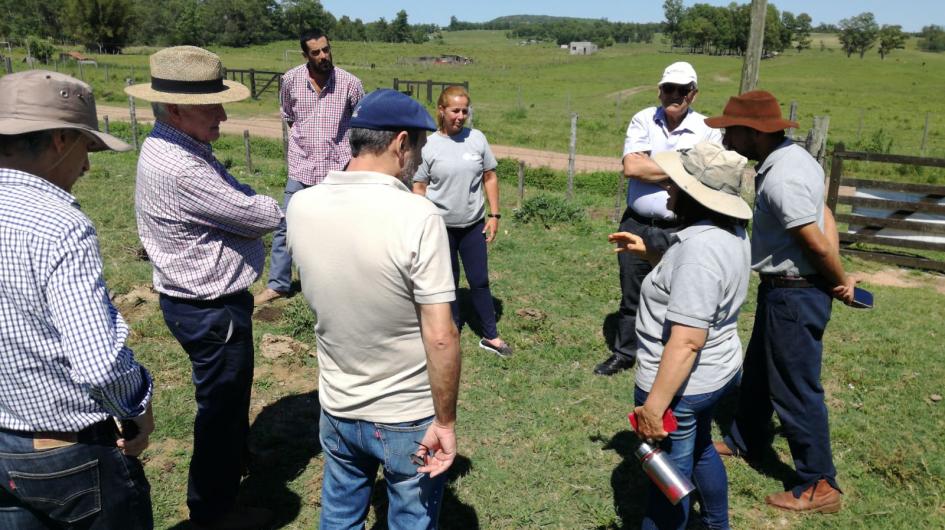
(453, 167)
(790, 193)
(701, 282)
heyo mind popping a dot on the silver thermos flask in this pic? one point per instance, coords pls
(663, 473)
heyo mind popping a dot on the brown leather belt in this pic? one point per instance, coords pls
(104, 432)
(789, 282)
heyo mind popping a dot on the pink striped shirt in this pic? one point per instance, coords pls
(318, 139)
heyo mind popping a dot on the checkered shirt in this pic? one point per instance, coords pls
(318, 139)
(63, 360)
(200, 226)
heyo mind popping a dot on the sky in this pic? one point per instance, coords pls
(912, 15)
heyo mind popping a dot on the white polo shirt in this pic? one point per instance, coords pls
(647, 132)
(368, 251)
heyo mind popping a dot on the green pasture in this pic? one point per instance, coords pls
(543, 442)
(524, 95)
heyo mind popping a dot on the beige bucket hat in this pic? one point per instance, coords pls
(188, 75)
(710, 174)
(39, 100)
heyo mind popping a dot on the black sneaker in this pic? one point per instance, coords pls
(502, 349)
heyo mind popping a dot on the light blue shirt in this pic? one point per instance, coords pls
(63, 360)
(647, 133)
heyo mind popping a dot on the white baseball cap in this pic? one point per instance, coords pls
(681, 73)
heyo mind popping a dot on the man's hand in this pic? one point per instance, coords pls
(628, 242)
(492, 226)
(135, 446)
(438, 449)
(844, 291)
(649, 424)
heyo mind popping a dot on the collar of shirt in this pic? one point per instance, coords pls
(772, 157)
(14, 177)
(693, 230)
(329, 85)
(342, 178)
(660, 117)
(169, 133)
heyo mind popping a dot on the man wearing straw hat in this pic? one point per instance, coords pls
(202, 230)
(66, 374)
(793, 246)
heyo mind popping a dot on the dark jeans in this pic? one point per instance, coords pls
(782, 374)
(280, 262)
(469, 243)
(88, 485)
(633, 269)
(218, 337)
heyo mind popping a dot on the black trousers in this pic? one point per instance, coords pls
(218, 337)
(633, 269)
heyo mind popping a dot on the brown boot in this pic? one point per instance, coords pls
(821, 497)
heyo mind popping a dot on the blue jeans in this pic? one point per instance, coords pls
(690, 448)
(218, 337)
(782, 374)
(469, 244)
(84, 485)
(353, 450)
(280, 262)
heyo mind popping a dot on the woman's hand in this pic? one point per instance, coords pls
(628, 242)
(490, 229)
(650, 423)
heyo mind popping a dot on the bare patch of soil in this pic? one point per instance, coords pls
(902, 278)
(276, 346)
(137, 302)
(269, 313)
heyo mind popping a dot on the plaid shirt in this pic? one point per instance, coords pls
(200, 226)
(63, 360)
(318, 140)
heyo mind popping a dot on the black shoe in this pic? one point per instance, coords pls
(612, 365)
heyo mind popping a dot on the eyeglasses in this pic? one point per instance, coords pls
(672, 90)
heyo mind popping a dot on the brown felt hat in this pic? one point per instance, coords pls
(39, 100)
(757, 109)
(188, 75)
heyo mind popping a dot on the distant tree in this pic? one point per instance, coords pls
(891, 38)
(242, 22)
(346, 29)
(99, 24)
(933, 38)
(399, 29)
(23, 18)
(774, 40)
(788, 23)
(377, 31)
(858, 34)
(674, 11)
(826, 28)
(802, 31)
(300, 15)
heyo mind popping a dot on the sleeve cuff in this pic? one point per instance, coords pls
(686, 320)
(443, 297)
(800, 221)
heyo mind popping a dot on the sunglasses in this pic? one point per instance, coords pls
(673, 90)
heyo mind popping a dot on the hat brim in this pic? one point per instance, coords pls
(715, 200)
(233, 92)
(759, 124)
(102, 141)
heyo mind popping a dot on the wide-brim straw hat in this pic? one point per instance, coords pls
(757, 109)
(39, 100)
(710, 174)
(188, 75)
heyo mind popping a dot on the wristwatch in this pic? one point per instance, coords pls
(494, 215)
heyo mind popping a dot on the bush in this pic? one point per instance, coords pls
(42, 49)
(550, 210)
(545, 179)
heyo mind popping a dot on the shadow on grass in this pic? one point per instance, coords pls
(628, 481)
(285, 438)
(468, 314)
(609, 329)
(454, 513)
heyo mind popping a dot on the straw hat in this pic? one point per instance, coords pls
(709, 174)
(188, 75)
(39, 100)
(756, 109)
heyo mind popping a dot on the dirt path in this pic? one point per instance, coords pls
(270, 127)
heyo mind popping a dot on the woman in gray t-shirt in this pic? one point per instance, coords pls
(689, 353)
(457, 166)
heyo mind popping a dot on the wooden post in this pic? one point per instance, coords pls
(572, 153)
(816, 143)
(521, 183)
(792, 117)
(107, 128)
(756, 36)
(249, 159)
(81, 71)
(8, 63)
(836, 170)
(396, 84)
(429, 91)
(285, 139)
(134, 119)
(252, 83)
(925, 133)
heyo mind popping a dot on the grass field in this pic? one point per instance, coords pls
(543, 442)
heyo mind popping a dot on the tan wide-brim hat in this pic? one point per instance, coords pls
(188, 75)
(39, 100)
(710, 174)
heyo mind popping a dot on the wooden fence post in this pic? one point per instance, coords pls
(249, 159)
(521, 183)
(81, 71)
(107, 127)
(252, 83)
(816, 143)
(134, 119)
(8, 63)
(396, 84)
(792, 117)
(756, 37)
(429, 91)
(836, 170)
(572, 154)
(925, 133)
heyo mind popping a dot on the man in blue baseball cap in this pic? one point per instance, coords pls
(375, 267)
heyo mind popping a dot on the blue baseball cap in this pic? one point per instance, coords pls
(389, 110)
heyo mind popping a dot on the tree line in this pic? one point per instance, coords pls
(109, 25)
(563, 30)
